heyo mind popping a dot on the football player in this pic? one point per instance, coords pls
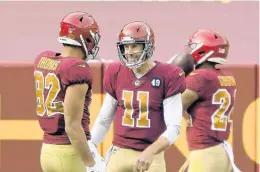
(144, 98)
(63, 84)
(209, 100)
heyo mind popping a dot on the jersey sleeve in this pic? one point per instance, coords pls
(110, 79)
(77, 73)
(195, 82)
(175, 81)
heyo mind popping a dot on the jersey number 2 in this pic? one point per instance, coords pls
(143, 121)
(222, 115)
(52, 83)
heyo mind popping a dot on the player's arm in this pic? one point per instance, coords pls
(188, 98)
(73, 113)
(105, 117)
(171, 105)
(107, 112)
(172, 111)
(194, 89)
(172, 108)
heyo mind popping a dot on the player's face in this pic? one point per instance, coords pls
(133, 52)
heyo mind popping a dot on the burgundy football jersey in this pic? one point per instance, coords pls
(211, 114)
(53, 74)
(139, 116)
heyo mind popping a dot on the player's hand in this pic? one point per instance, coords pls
(189, 122)
(144, 161)
(90, 163)
(94, 169)
(100, 165)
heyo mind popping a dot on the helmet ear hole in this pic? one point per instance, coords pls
(201, 52)
(88, 40)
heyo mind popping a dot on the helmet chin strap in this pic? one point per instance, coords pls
(135, 66)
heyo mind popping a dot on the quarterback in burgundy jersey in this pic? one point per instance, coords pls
(209, 100)
(63, 84)
(144, 98)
